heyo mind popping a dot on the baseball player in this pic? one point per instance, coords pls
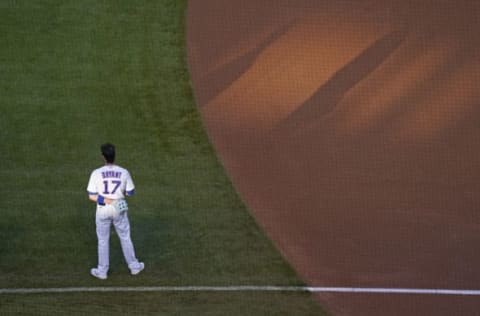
(107, 187)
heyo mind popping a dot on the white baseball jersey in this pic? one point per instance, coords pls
(111, 181)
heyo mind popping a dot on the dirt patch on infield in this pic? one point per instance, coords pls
(350, 129)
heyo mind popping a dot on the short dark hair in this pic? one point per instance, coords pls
(108, 152)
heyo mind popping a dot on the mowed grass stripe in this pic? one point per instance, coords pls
(169, 303)
(77, 74)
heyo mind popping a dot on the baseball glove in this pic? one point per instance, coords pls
(113, 210)
(120, 206)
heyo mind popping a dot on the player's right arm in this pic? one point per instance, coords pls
(129, 186)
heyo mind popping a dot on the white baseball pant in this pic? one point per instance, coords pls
(122, 227)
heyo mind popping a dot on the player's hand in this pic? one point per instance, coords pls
(108, 201)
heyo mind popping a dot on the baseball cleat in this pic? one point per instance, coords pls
(137, 269)
(96, 273)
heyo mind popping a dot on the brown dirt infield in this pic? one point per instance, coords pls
(351, 130)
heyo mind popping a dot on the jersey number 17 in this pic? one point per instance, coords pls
(108, 184)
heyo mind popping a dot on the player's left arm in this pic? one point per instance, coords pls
(97, 198)
(93, 190)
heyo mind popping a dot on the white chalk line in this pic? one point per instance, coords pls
(246, 288)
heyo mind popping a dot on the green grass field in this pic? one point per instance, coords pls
(75, 74)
